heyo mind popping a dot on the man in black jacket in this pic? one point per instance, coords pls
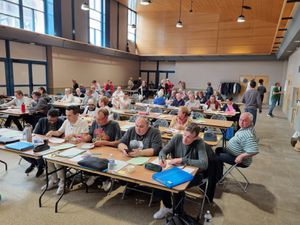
(51, 122)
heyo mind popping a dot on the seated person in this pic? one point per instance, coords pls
(201, 97)
(103, 103)
(178, 101)
(180, 121)
(185, 149)
(213, 104)
(231, 107)
(51, 122)
(74, 130)
(219, 96)
(68, 97)
(241, 148)
(159, 100)
(95, 93)
(88, 95)
(103, 132)
(16, 103)
(125, 102)
(78, 93)
(141, 140)
(90, 109)
(116, 97)
(192, 103)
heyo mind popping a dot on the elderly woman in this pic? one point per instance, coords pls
(180, 121)
(160, 100)
(213, 104)
(68, 97)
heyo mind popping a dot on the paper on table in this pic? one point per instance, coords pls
(63, 146)
(187, 169)
(78, 158)
(10, 133)
(156, 161)
(70, 153)
(138, 160)
(126, 127)
(119, 164)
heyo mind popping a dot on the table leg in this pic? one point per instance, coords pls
(5, 164)
(63, 193)
(47, 182)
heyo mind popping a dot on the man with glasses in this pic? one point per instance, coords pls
(185, 149)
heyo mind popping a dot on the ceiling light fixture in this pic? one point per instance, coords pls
(85, 6)
(241, 18)
(191, 9)
(145, 2)
(179, 22)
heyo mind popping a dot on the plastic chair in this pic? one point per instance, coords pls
(197, 115)
(116, 116)
(218, 117)
(161, 123)
(156, 110)
(173, 112)
(133, 118)
(140, 108)
(229, 171)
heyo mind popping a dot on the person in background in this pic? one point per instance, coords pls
(75, 86)
(109, 87)
(103, 103)
(15, 103)
(231, 107)
(88, 95)
(170, 86)
(209, 90)
(43, 92)
(78, 93)
(116, 97)
(180, 121)
(261, 89)
(219, 96)
(275, 96)
(159, 100)
(90, 109)
(95, 93)
(143, 89)
(178, 101)
(74, 130)
(202, 98)
(125, 102)
(141, 140)
(251, 98)
(181, 85)
(44, 125)
(82, 89)
(186, 149)
(68, 97)
(130, 84)
(96, 85)
(192, 103)
(213, 104)
(241, 148)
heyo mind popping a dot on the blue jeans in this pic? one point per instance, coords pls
(254, 113)
(272, 106)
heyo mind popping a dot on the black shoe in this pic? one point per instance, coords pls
(30, 168)
(39, 172)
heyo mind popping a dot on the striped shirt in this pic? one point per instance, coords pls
(244, 141)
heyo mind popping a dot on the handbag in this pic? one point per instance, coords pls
(94, 163)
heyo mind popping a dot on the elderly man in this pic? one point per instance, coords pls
(192, 103)
(68, 97)
(88, 95)
(45, 124)
(178, 101)
(74, 129)
(240, 148)
(117, 96)
(141, 140)
(185, 149)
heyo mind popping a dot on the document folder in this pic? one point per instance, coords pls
(172, 177)
(20, 146)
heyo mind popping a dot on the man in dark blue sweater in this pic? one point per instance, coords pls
(44, 125)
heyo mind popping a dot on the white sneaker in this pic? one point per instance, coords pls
(60, 189)
(51, 184)
(162, 213)
(106, 185)
(91, 180)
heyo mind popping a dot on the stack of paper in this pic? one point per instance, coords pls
(70, 153)
(138, 160)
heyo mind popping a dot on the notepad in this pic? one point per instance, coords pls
(63, 146)
(119, 164)
(126, 127)
(138, 160)
(21, 146)
(70, 153)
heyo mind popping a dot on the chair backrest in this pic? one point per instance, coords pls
(133, 118)
(135, 97)
(218, 117)
(161, 123)
(197, 115)
(140, 108)
(116, 116)
(156, 110)
(173, 112)
(147, 101)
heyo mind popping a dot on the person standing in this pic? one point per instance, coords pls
(251, 99)
(262, 90)
(209, 90)
(75, 86)
(275, 97)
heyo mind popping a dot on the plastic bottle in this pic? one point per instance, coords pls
(23, 107)
(111, 163)
(27, 133)
(207, 218)
(147, 109)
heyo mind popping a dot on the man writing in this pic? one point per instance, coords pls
(185, 149)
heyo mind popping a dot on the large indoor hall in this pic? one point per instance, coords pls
(149, 112)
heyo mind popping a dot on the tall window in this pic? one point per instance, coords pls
(97, 22)
(131, 35)
(27, 14)
(10, 13)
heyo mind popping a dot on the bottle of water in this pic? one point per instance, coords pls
(27, 133)
(147, 109)
(207, 218)
(111, 163)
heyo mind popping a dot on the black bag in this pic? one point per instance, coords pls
(95, 163)
(182, 220)
(41, 148)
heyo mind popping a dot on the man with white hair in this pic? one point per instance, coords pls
(116, 97)
(68, 97)
(241, 148)
(192, 103)
(160, 100)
